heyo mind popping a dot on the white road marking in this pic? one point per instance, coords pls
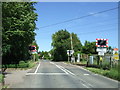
(85, 85)
(65, 63)
(52, 63)
(37, 68)
(59, 67)
(63, 69)
(67, 71)
(46, 74)
(92, 72)
(86, 74)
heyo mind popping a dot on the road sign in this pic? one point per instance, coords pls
(101, 49)
(70, 52)
(115, 54)
(101, 53)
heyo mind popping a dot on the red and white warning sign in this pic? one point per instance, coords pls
(101, 45)
(101, 42)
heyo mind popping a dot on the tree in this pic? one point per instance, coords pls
(77, 46)
(61, 43)
(89, 48)
(44, 54)
(18, 25)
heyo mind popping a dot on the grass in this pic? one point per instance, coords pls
(1, 78)
(112, 73)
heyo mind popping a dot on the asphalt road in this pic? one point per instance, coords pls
(49, 74)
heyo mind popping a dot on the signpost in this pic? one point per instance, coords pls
(101, 45)
(69, 53)
(33, 51)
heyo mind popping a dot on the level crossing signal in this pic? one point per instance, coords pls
(101, 42)
(32, 48)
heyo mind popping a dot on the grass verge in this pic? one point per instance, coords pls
(1, 78)
(112, 73)
(22, 64)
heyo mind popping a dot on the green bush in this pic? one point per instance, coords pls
(31, 64)
(22, 64)
(106, 65)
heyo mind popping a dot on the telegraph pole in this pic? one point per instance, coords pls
(71, 41)
(72, 58)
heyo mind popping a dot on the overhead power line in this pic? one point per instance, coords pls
(80, 17)
(97, 31)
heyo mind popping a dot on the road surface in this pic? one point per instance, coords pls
(49, 74)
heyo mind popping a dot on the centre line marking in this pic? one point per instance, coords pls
(59, 67)
(37, 68)
(68, 71)
(63, 69)
(85, 85)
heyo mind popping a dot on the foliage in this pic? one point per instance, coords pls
(61, 43)
(37, 57)
(22, 64)
(45, 55)
(109, 50)
(77, 46)
(89, 48)
(18, 25)
(31, 64)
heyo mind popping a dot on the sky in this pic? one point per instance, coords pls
(102, 25)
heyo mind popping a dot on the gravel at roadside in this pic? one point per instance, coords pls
(14, 76)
